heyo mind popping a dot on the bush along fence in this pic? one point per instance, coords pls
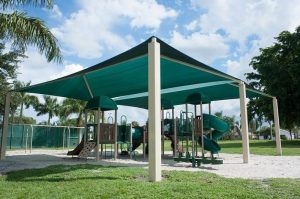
(26, 136)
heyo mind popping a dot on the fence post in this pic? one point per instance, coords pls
(69, 137)
(26, 140)
(64, 138)
(31, 138)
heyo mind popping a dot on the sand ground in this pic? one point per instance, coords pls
(259, 167)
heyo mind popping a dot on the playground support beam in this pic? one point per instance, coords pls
(116, 136)
(175, 133)
(244, 122)
(98, 133)
(154, 105)
(277, 127)
(5, 126)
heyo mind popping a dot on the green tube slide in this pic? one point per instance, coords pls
(220, 128)
(124, 135)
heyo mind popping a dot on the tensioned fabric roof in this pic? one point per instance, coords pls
(127, 74)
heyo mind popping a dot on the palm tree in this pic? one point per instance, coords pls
(73, 106)
(23, 30)
(25, 99)
(50, 107)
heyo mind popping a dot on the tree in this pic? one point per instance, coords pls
(73, 106)
(23, 30)
(50, 107)
(24, 99)
(8, 72)
(277, 72)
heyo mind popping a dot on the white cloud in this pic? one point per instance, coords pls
(68, 69)
(204, 47)
(36, 69)
(91, 30)
(240, 19)
(55, 12)
(192, 25)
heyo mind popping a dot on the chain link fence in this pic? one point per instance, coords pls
(26, 136)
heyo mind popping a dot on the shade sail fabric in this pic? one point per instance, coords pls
(127, 74)
(214, 92)
(104, 103)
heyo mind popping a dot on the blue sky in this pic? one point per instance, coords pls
(222, 34)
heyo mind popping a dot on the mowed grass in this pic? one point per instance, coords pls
(258, 147)
(262, 147)
(91, 181)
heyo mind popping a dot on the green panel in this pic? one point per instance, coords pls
(214, 93)
(102, 102)
(69, 87)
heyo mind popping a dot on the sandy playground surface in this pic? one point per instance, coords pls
(260, 167)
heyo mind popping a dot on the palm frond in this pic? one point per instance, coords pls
(5, 4)
(24, 31)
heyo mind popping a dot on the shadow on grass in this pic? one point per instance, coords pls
(54, 174)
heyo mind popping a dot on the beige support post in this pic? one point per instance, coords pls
(116, 136)
(154, 105)
(162, 132)
(98, 133)
(244, 122)
(277, 127)
(5, 126)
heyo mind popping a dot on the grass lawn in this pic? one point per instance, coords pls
(262, 147)
(90, 181)
(259, 147)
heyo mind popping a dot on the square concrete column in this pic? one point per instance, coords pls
(244, 122)
(154, 111)
(5, 126)
(277, 127)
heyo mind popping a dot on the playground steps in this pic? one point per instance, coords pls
(88, 147)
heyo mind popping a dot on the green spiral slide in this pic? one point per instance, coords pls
(220, 128)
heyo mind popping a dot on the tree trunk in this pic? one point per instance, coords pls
(21, 113)
(49, 119)
(290, 130)
(79, 119)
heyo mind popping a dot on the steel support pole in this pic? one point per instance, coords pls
(244, 122)
(162, 132)
(202, 130)
(277, 127)
(116, 136)
(97, 134)
(186, 127)
(174, 134)
(5, 126)
(154, 105)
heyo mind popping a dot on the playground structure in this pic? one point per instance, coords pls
(108, 132)
(140, 77)
(205, 128)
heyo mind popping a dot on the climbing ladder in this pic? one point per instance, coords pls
(88, 147)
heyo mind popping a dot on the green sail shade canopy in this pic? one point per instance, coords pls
(102, 102)
(212, 91)
(127, 74)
